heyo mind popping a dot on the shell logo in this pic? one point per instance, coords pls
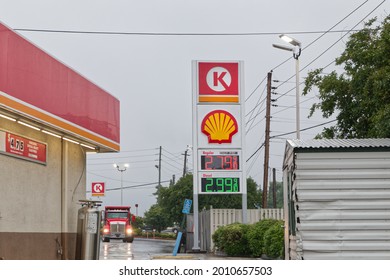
(219, 126)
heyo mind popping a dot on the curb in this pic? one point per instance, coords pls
(171, 257)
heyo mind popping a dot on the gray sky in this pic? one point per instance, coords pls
(143, 57)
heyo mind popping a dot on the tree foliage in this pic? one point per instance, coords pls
(360, 96)
(156, 218)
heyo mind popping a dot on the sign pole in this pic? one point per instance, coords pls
(243, 162)
(195, 247)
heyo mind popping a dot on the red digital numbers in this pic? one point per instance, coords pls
(220, 162)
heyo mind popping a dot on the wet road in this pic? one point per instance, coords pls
(140, 249)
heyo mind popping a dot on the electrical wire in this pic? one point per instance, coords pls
(172, 33)
(135, 186)
(304, 129)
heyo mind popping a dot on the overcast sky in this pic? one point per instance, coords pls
(141, 53)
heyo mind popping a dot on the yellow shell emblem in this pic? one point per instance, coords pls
(219, 126)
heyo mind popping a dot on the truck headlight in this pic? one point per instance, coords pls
(129, 231)
(106, 230)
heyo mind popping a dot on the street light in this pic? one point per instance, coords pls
(296, 53)
(121, 170)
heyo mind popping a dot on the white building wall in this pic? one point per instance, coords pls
(39, 203)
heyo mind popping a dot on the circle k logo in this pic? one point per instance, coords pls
(218, 78)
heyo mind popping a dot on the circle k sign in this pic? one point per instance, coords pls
(98, 189)
(218, 81)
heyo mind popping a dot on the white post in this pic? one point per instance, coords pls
(297, 97)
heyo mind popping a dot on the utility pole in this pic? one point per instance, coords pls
(159, 168)
(266, 143)
(274, 187)
(185, 163)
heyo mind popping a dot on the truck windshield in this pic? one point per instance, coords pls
(116, 215)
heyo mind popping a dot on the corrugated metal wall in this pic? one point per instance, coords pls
(343, 205)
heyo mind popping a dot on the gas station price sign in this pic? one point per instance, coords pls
(219, 160)
(220, 183)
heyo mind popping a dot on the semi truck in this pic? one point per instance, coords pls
(117, 224)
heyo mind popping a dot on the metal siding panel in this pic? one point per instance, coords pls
(343, 205)
(339, 143)
(328, 225)
(336, 184)
(356, 214)
(345, 235)
(353, 163)
(342, 194)
(320, 174)
(342, 245)
(347, 255)
(344, 155)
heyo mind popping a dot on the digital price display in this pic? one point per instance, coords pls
(220, 185)
(219, 162)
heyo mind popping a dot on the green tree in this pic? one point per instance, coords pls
(171, 198)
(156, 218)
(360, 96)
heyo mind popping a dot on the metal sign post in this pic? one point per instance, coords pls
(218, 133)
(186, 210)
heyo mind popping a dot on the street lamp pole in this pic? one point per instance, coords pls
(121, 170)
(296, 53)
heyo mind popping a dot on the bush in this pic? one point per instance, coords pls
(265, 237)
(256, 236)
(232, 239)
(217, 238)
(274, 241)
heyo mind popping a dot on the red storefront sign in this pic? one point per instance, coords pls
(22, 147)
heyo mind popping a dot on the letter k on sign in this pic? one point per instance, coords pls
(218, 78)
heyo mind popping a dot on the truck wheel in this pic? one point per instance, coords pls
(106, 239)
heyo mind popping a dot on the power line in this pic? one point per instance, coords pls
(130, 162)
(173, 33)
(179, 168)
(155, 184)
(112, 179)
(287, 133)
(304, 129)
(131, 156)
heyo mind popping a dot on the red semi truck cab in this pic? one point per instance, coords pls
(117, 224)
